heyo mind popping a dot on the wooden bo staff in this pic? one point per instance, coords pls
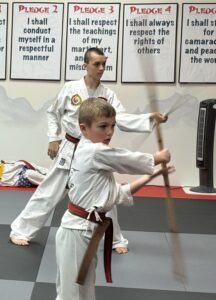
(178, 266)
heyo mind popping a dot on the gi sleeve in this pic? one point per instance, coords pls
(124, 195)
(123, 161)
(130, 122)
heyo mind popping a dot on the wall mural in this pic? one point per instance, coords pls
(18, 111)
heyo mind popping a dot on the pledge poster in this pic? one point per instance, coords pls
(3, 39)
(149, 42)
(36, 41)
(92, 25)
(198, 43)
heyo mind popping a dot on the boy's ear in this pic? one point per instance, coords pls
(85, 65)
(82, 127)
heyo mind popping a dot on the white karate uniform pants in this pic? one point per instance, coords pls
(42, 203)
(70, 249)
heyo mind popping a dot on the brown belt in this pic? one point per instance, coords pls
(104, 226)
(71, 138)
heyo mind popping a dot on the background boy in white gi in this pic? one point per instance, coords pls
(64, 113)
(92, 186)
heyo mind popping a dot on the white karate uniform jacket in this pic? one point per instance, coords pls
(63, 114)
(64, 111)
(91, 180)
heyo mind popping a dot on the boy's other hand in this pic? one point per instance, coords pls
(158, 117)
(53, 148)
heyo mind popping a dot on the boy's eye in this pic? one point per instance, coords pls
(98, 64)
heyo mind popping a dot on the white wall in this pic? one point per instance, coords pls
(23, 120)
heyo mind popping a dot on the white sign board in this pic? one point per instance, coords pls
(36, 41)
(149, 42)
(3, 38)
(92, 25)
(198, 43)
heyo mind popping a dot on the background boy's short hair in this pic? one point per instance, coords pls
(87, 54)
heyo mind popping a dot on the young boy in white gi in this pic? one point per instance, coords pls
(92, 188)
(64, 113)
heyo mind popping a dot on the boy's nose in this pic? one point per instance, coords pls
(102, 67)
(110, 131)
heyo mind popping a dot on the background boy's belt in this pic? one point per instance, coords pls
(104, 226)
(71, 138)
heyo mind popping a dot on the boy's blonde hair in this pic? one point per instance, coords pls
(93, 108)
